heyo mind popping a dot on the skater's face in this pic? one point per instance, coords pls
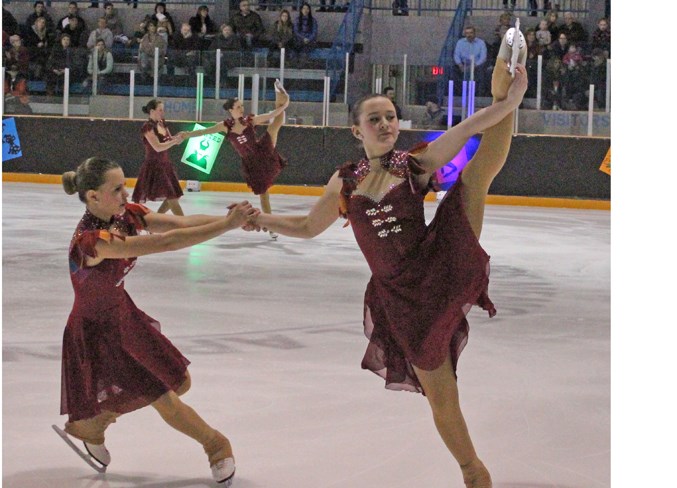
(378, 126)
(110, 198)
(238, 110)
(158, 113)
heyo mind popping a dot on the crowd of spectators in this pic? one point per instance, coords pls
(572, 59)
(40, 49)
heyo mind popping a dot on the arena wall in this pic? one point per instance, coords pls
(537, 166)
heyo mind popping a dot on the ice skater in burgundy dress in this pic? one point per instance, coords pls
(157, 178)
(261, 162)
(115, 359)
(425, 278)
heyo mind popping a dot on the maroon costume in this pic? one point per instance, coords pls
(157, 177)
(261, 163)
(424, 278)
(114, 357)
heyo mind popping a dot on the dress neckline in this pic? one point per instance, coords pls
(389, 161)
(98, 223)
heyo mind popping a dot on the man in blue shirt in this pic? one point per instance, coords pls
(468, 49)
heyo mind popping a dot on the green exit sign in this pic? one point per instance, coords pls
(201, 151)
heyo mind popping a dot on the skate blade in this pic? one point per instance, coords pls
(516, 40)
(228, 482)
(85, 456)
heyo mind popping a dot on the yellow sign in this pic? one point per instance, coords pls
(606, 163)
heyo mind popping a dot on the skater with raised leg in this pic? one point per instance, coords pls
(261, 162)
(415, 316)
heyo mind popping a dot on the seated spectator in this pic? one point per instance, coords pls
(16, 92)
(140, 31)
(574, 30)
(504, 23)
(389, 92)
(226, 40)
(598, 74)
(248, 26)
(164, 19)
(573, 57)
(601, 38)
(230, 46)
(64, 21)
(203, 26)
(75, 30)
(470, 54)
(543, 35)
(101, 32)
(101, 60)
(553, 95)
(39, 10)
(282, 35)
(305, 32)
(574, 80)
(39, 42)
(434, 118)
(560, 47)
(534, 49)
(63, 56)
(185, 50)
(149, 42)
(17, 57)
(114, 23)
(10, 26)
(330, 8)
(553, 23)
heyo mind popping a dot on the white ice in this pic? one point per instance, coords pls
(274, 333)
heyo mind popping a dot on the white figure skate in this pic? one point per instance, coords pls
(96, 455)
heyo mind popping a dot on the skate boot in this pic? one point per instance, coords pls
(273, 235)
(221, 460)
(279, 88)
(513, 47)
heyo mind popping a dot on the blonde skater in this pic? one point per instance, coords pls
(115, 359)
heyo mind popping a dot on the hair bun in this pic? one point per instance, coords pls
(69, 182)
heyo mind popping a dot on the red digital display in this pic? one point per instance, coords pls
(437, 70)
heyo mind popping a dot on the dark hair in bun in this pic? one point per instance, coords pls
(152, 105)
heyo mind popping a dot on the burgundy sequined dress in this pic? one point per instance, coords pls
(114, 356)
(157, 178)
(261, 163)
(425, 278)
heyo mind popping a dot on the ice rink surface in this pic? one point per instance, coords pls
(274, 334)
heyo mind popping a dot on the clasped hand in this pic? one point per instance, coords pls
(243, 215)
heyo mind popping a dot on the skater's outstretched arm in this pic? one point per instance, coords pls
(321, 216)
(220, 127)
(134, 246)
(443, 149)
(158, 146)
(161, 222)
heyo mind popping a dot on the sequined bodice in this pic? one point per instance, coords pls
(150, 152)
(99, 287)
(388, 220)
(243, 143)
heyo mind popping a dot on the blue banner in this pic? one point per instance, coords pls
(11, 146)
